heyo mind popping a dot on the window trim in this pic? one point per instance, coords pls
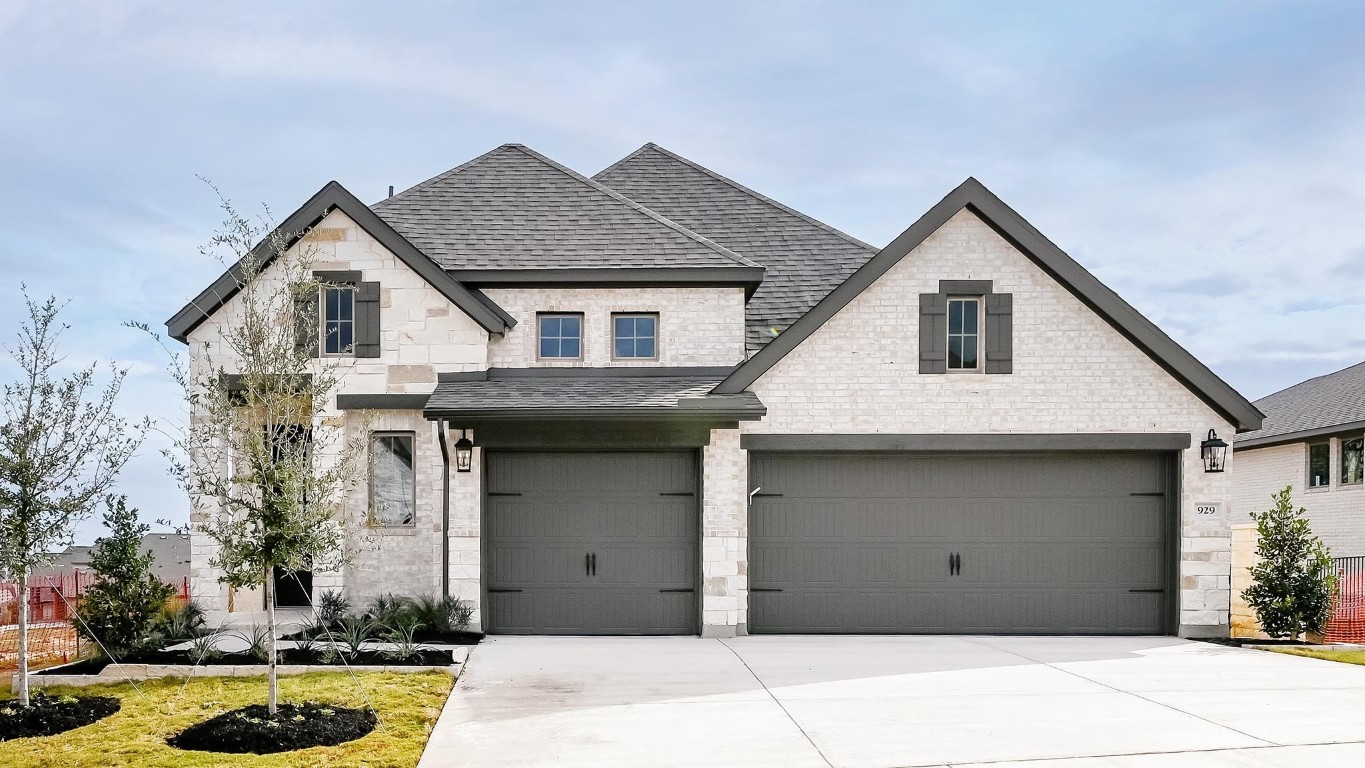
(374, 521)
(611, 331)
(322, 319)
(980, 301)
(1341, 461)
(1308, 454)
(582, 336)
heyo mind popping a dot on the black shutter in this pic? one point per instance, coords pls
(367, 320)
(306, 322)
(999, 333)
(933, 333)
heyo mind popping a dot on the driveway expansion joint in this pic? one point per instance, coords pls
(779, 704)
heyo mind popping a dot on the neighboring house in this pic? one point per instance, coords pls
(1313, 438)
(694, 410)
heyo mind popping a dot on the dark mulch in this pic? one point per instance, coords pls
(296, 726)
(48, 715)
(424, 658)
(463, 637)
(1238, 642)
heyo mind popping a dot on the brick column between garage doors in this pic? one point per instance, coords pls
(724, 539)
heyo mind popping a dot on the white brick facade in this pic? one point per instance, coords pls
(1336, 511)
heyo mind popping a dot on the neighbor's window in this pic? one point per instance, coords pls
(964, 334)
(393, 488)
(1319, 465)
(338, 320)
(1352, 454)
(635, 336)
(561, 337)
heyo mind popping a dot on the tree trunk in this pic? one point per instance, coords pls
(23, 639)
(271, 682)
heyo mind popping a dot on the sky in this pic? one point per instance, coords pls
(1205, 160)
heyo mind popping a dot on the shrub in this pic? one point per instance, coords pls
(121, 607)
(1293, 584)
(389, 610)
(332, 608)
(183, 622)
(257, 642)
(205, 647)
(441, 615)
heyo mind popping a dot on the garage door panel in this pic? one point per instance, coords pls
(1048, 543)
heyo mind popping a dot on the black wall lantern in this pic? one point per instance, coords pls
(1215, 453)
(464, 453)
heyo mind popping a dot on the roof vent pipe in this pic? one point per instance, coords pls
(390, 190)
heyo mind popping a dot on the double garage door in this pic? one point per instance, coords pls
(607, 543)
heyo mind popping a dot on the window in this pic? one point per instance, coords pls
(393, 487)
(338, 320)
(561, 337)
(635, 336)
(1319, 465)
(1352, 454)
(964, 334)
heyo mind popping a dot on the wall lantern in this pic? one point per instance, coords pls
(1215, 453)
(464, 453)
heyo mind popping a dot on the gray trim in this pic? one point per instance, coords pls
(445, 507)
(366, 340)
(971, 194)
(612, 277)
(701, 412)
(998, 348)
(338, 276)
(1302, 435)
(1093, 441)
(558, 372)
(965, 287)
(331, 197)
(382, 402)
(609, 434)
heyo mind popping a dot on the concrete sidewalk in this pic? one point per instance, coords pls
(849, 702)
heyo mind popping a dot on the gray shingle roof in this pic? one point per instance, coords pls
(513, 208)
(528, 395)
(804, 258)
(1317, 404)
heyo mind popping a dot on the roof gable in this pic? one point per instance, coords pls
(974, 196)
(515, 209)
(1319, 406)
(804, 259)
(332, 197)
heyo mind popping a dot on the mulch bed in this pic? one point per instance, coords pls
(463, 637)
(48, 715)
(251, 730)
(1238, 642)
(424, 658)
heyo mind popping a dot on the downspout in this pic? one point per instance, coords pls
(445, 508)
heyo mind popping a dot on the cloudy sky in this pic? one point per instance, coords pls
(1206, 160)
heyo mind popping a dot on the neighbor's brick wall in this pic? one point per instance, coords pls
(1336, 512)
(1072, 373)
(725, 531)
(697, 326)
(422, 334)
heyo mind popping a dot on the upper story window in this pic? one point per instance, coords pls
(1352, 458)
(1319, 465)
(964, 333)
(635, 336)
(393, 486)
(338, 320)
(561, 336)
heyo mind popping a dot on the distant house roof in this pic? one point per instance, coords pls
(1320, 406)
(804, 258)
(170, 556)
(515, 209)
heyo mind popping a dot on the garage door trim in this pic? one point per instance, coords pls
(939, 443)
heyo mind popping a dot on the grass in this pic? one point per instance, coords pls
(1343, 656)
(408, 704)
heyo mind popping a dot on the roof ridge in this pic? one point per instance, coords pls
(746, 190)
(443, 175)
(617, 196)
(1311, 380)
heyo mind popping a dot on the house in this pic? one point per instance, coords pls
(1313, 439)
(690, 409)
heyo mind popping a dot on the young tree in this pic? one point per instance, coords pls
(118, 611)
(1293, 583)
(61, 448)
(266, 469)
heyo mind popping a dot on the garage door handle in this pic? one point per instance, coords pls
(680, 589)
(678, 493)
(594, 563)
(757, 495)
(1148, 591)
(764, 589)
(1153, 493)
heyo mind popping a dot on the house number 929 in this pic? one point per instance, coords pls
(1205, 509)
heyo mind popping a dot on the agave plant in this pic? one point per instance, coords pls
(389, 610)
(355, 632)
(205, 647)
(257, 642)
(401, 643)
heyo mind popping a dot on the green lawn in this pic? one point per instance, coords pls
(408, 705)
(1344, 656)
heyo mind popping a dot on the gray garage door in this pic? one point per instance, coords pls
(1029, 544)
(592, 543)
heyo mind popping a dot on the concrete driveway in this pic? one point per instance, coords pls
(849, 702)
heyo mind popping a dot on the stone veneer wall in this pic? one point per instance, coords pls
(1073, 372)
(725, 534)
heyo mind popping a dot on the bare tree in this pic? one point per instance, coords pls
(266, 469)
(61, 449)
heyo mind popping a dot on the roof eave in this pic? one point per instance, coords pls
(748, 278)
(1297, 436)
(648, 413)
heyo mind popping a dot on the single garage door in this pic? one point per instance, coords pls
(592, 543)
(961, 543)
